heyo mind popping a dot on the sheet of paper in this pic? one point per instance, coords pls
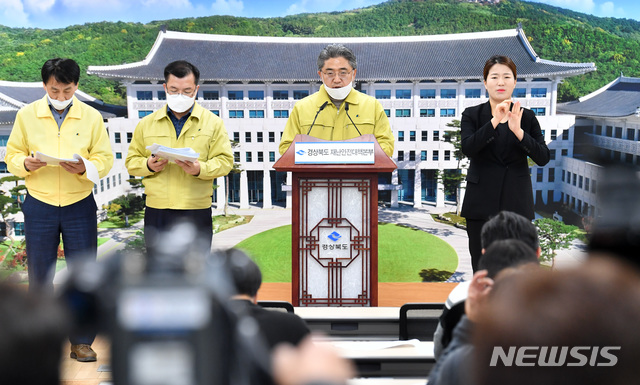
(52, 160)
(91, 170)
(375, 345)
(173, 154)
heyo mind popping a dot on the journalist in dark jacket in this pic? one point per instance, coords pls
(498, 136)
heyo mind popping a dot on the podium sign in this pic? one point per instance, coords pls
(334, 153)
(335, 225)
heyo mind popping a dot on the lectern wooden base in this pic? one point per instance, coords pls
(335, 229)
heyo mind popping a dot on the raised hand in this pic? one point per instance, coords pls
(515, 117)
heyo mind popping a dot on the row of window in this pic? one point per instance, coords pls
(428, 93)
(435, 155)
(259, 137)
(424, 136)
(576, 204)
(617, 133)
(579, 181)
(554, 133)
(400, 113)
(117, 138)
(452, 93)
(259, 156)
(552, 153)
(109, 181)
(231, 95)
(234, 114)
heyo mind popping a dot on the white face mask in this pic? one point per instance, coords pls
(338, 93)
(180, 103)
(58, 105)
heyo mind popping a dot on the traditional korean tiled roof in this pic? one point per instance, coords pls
(253, 58)
(15, 95)
(619, 98)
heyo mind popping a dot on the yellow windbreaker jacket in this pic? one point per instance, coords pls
(82, 133)
(172, 188)
(332, 124)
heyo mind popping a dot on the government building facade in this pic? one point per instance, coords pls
(423, 82)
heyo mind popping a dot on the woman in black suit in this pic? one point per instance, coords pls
(497, 137)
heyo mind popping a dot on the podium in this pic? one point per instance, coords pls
(334, 235)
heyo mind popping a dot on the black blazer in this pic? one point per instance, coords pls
(498, 177)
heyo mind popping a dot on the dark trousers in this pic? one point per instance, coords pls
(474, 229)
(43, 225)
(159, 222)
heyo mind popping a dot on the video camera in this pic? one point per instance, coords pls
(167, 315)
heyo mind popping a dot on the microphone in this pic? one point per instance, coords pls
(346, 109)
(314, 119)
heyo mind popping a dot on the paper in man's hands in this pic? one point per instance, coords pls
(173, 154)
(52, 160)
(91, 170)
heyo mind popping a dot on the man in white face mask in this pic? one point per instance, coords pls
(59, 199)
(338, 111)
(180, 191)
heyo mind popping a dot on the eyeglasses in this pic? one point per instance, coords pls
(186, 93)
(343, 74)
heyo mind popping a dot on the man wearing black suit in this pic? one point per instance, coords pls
(275, 326)
(498, 136)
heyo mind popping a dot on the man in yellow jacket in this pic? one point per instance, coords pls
(337, 111)
(181, 190)
(59, 197)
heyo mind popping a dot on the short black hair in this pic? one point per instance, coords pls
(64, 71)
(336, 50)
(245, 273)
(180, 69)
(509, 225)
(505, 253)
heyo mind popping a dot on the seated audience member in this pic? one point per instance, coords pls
(577, 326)
(504, 225)
(276, 326)
(453, 366)
(32, 330)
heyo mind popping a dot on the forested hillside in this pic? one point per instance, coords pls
(555, 33)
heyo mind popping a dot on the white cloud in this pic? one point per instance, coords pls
(93, 5)
(227, 7)
(39, 5)
(12, 13)
(585, 6)
(608, 9)
(167, 3)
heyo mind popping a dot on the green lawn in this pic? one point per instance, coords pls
(402, 253)
(114, 222)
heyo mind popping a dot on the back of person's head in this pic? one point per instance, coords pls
(245, 273)
(180, 69)
(32, 331)
(616, 231)
(64, 71)
(505, 253)
(565, 327)
(509, 225)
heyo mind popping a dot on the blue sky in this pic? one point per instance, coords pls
(62, 13)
